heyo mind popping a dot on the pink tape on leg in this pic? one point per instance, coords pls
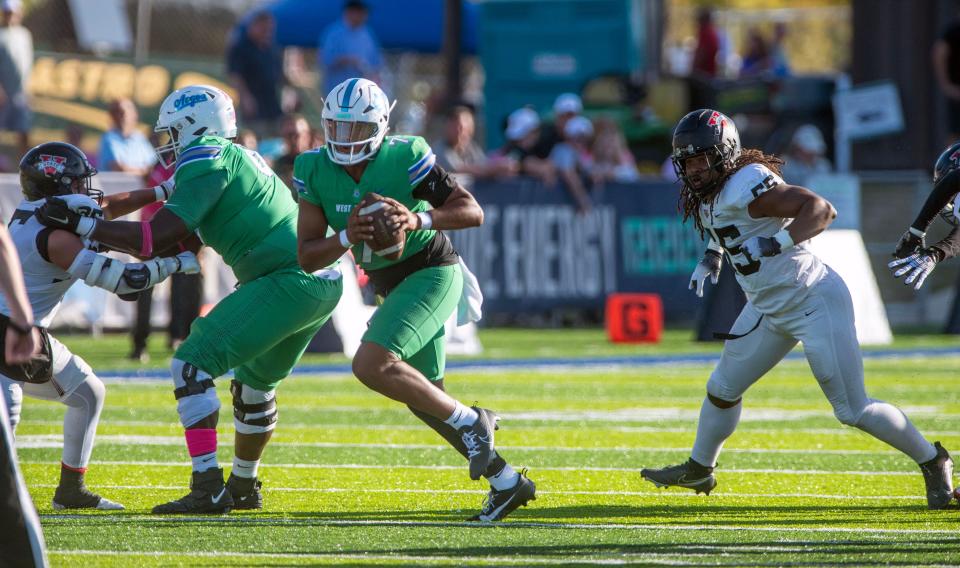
(201, 441)
(146, 238)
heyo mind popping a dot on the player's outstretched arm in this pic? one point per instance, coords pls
(20, 341)
(120, 204)
(315, 250)
(141, 239)
(67, 251)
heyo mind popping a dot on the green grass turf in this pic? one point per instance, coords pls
(352, 478)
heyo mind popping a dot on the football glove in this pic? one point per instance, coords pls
(911, 241)
(56, 214)
(187, 263)
(710, 266)
(916, 267)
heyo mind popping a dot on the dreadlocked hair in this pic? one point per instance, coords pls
(690, 201)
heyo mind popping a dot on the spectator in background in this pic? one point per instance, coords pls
(296, 134)
(124, 148)
(572, 159)
(779, 62)
(946, 68)
(16, 62)
(523, 133)
(73, 134)
(247, 138)
(805, 156)
(565, 107)
(255, 66)
(756, 59)
(348, 48)
(316, 138)
(708, 45)
(612, 160)
(459, 153)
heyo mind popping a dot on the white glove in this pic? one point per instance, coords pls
(710, 266)
(188, 263)
(917, 266)
(165, 189)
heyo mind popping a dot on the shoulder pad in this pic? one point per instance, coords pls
(746, 185)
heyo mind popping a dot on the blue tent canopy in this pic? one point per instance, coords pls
(414, 25)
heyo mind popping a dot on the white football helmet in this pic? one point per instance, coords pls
(356, 115)
(189, 113)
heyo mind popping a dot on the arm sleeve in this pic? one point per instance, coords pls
(949, 246)
(120, 277)
(196, 196)
(436, 187)
(944, 190)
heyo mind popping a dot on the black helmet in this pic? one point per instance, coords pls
(947, 164)
(709, 132)
(56, 168)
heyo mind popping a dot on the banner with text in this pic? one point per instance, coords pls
(536, 253)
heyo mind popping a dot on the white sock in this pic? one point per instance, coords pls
(889, 424)
(506, 479)
(715, 426)
(462, 416)
(245, 468)
(204, 462)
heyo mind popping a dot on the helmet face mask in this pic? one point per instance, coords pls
(57, 169)
(708, 134)
(356, 117)
(189, 113)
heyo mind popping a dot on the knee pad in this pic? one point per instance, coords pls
(195, 392)
(89, 394)
(849, 415)
(13, 398)
(719, 387)
(254, 411)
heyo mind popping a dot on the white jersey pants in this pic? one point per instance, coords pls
(824, 324)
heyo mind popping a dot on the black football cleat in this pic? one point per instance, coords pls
(689, 474)
(245, 492)
(478, 438)
(499, 504)
(938, 477)
(208, 495)
(71, 497)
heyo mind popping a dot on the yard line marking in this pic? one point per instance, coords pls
(652, 558)
(841, 431)
(462, 467)
(35, 441)
(501, 525)
(570, 364)
(539, 492)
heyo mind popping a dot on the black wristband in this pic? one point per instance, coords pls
(21, 329)
(711, 252)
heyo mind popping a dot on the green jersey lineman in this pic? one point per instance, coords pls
(241, 209)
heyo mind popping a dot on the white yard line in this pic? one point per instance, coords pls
(56, 440)
(541, 492)
(839, 430)
(462, 467)
(667, 559)
(239, 520)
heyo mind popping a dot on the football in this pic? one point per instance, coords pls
(386, 242)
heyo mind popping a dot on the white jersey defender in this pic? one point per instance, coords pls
(792, 296)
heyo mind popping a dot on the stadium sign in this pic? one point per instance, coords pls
(536, 253)
(68, 88)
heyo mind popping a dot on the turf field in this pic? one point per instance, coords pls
(352, 478)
